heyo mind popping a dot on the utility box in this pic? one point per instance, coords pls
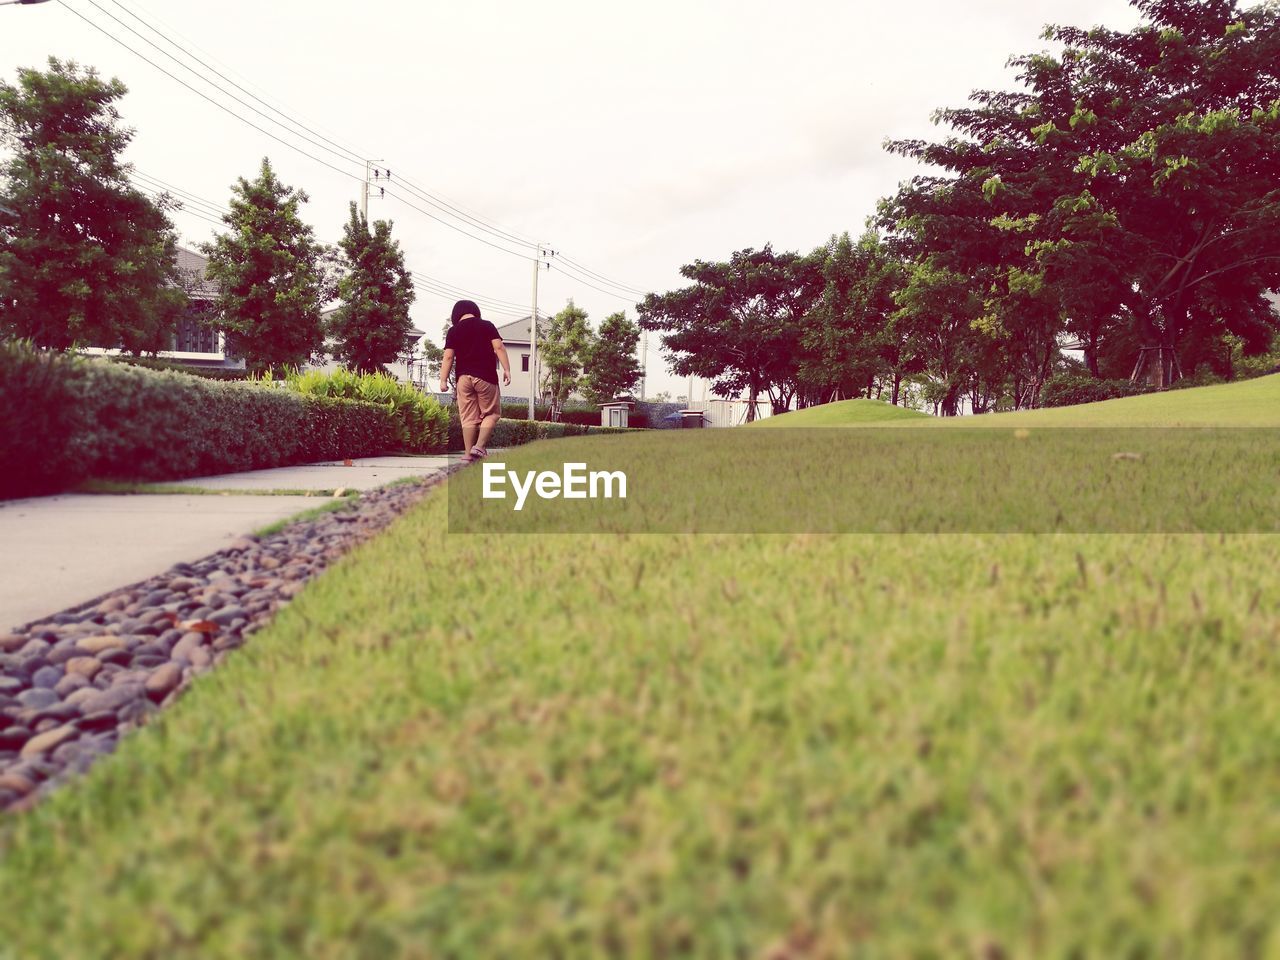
(691, 419)
(615, 414)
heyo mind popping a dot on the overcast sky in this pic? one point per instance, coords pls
(632, 139)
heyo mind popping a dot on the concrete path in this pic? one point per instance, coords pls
(62, 551)
(363, 474)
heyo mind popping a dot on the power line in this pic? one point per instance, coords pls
(482, 222)
(476, 221)
(205, 96)
(601, 277)
(522, 256)
(351, 154)
(459, 293)
(341, 154)
(158, 194)
(207, 205)
(609, 293)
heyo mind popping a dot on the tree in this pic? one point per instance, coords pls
(372, 325)
(850, 343)
(270, 273)
(739, 323)
(433, 356)
(563, 348)
(85, 257)
(1134, 180)
(612, 368)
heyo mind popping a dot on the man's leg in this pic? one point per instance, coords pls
(489, 400)
(486, 431)
(468, 412)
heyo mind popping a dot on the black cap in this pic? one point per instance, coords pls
(462, 308)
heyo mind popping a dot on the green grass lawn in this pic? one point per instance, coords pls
(842, 413)
(783, 745)
(1250, 403)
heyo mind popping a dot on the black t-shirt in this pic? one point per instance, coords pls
(471, 340)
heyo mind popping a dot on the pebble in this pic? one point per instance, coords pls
(44, 742)
(38, 698)
(71, 684)
(112, 604)
(165, 679)
(101, 643)
(189, 642)
(11, 642)
(85, 667)
(112, 699)
(225, 615)
(16, 783)
(34, 648)
(46, 677)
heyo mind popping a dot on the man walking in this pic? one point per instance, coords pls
(476, 346)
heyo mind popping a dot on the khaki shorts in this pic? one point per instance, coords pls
(477, 400)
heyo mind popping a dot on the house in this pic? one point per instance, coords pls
(194, 341)
(408, 367)
(515, 337)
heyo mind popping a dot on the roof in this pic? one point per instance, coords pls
(194, 268)
(517, 331)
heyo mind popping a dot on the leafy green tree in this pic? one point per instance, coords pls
(372, 325)
(937, 308)
(612, 367)
(433, 356)
(270, 273)
(1134, 180)
(85, 257)
(850, 344)
(563, 348)
(739, 323)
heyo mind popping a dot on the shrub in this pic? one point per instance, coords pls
(515, 432)
(177, 366)
(40, 420)
(584, 416)
(1070, 389)
(422, 422)
(71, 418)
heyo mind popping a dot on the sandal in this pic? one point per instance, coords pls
(479, 453)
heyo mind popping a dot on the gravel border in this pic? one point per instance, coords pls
(74, 683)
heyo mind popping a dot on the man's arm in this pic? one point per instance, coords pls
(446, 364)
(501, 351)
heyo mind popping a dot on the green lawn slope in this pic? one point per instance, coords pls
(1249, 403)
(785, 745)
(842, 413)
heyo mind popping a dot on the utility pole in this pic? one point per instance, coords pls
(373, 175)
(644, 362)
(538, 253)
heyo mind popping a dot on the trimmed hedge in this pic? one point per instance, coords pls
(513, 433)
(422, 422)
(69, 418)
(587, 417)
(177, 366)
(1071, 389)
